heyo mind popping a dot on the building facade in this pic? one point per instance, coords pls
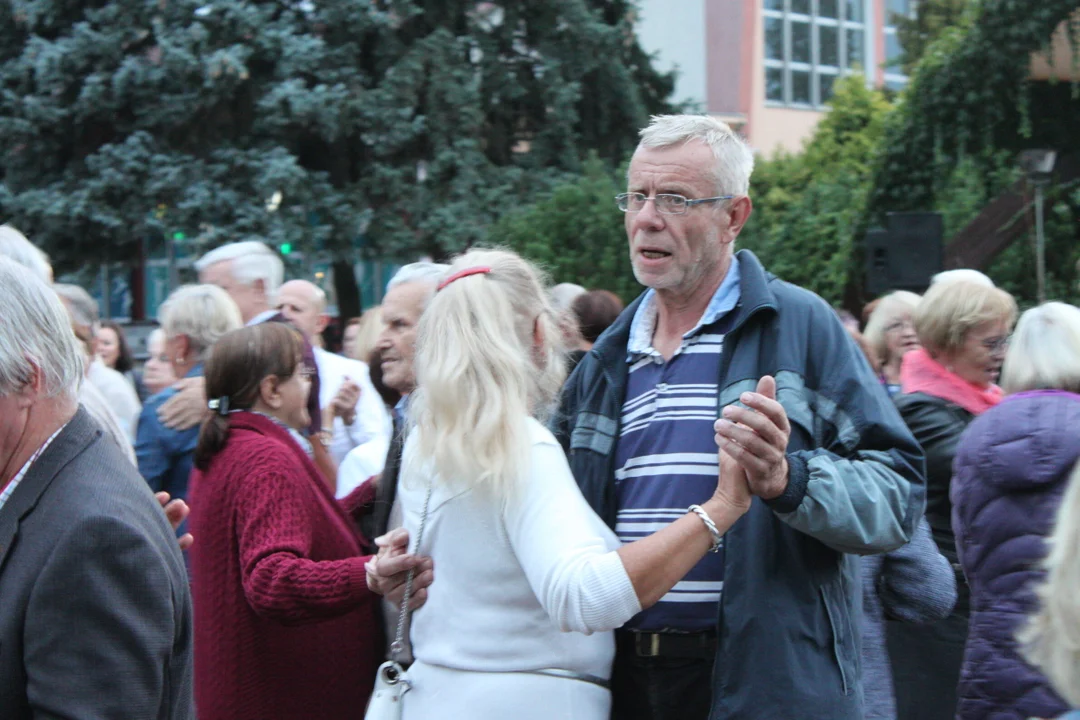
(767, 67)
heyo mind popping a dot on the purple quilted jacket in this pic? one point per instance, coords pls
(1009, 473)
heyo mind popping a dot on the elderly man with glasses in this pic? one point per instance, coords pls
(720, 352)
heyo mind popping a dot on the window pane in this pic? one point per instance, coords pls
(854, 10)
(897, 7)
(892, 48)
(774, 84)
(800, 6)
(774, 38)
(800, 42)
(800, 87)
(825, 83)
(895, 83)
(828, 8)
(828, 46)
(774, 4)
(855, 49)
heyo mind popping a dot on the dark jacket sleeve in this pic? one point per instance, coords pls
(858, 485)
(916, 583)
(99, 627)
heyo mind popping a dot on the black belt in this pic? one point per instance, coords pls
(666, 644)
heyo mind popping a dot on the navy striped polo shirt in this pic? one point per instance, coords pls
(666, 455)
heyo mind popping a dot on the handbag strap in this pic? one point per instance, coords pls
(398, 646)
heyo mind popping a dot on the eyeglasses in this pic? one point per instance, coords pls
(665, 203)
(997, 345)
(900, 325)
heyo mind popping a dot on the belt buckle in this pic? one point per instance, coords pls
(653, 649)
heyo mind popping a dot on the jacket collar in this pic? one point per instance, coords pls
(70, 443)
(755, 296)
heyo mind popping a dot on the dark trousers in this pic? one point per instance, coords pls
(926, 662)
(660, 688)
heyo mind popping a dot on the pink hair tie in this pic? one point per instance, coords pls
(478, 270)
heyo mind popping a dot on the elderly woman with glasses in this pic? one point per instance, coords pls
(193, 318)
(1012, 467)
(963, 328)
(890, 332)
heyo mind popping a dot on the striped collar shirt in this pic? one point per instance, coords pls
(10, 489)
(666, 457)
(643, 325)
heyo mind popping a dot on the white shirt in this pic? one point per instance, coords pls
(98, 408)
(534, 584)
(369, 435)
(121, 396)
(261, 317)
(14, 483)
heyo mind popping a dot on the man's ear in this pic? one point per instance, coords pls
(268, 391)
(321, 323)
(32, 391)
(740, 210)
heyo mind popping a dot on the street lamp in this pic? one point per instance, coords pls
(1039, 167)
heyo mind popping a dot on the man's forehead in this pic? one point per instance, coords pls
(406, 300)
(690, 162)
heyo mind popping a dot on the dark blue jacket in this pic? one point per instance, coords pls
(166, 456)
(789, 615)
(1010, 471)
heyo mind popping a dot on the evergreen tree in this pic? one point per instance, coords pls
(408, 125)
(931, 19)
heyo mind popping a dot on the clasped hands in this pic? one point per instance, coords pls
(753, 444)
(387, 571)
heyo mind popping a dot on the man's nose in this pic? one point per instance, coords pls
(647, 218)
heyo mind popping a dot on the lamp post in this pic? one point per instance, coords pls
(1039, 167)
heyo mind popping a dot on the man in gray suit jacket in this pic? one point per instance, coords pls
(95, 613)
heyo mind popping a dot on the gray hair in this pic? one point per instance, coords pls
(562, 296)
(14, 245)
(428, 272)
(734, 158)
(251, 261)
(83, 307)
(201, 313)
(888, 309)
(1045, 350)
(36, 334)
(962, 275)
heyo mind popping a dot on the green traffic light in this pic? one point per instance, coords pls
(178, 236)
(286, 248)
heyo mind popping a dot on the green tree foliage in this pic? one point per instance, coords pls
(576, 233)
(931, 19)
(410, 123)
(808, 207)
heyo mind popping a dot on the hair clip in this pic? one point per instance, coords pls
(219, 405)
(478, 270)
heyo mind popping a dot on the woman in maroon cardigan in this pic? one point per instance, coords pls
(285, 625)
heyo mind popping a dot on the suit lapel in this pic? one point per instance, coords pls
(71, 441)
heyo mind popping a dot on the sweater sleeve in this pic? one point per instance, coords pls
(917, 584)
(564, 549)
(276, 518)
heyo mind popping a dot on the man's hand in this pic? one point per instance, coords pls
(756, 437)
(387, 572)
(344, 402)
(176, 511)
(187, 408)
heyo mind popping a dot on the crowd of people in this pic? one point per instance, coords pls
(724, 500)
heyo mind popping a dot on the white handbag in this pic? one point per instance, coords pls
(392, 681)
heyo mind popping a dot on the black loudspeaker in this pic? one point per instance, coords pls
(904, 255)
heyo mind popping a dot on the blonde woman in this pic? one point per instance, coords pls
(531, 582)
(362, 334)
(963, 328)
(1011, 469)
(890, 333)
(1052, 637)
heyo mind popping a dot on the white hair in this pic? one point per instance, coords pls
(563, 296)
(251, 261)
(201, 313)
(427, 272)
(36, 333)
(14, 245)
(1045, 350)
(963, 275)
(480, 374)
(1051, 638)
(734, 158)
(888, 309)
(82, 306)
